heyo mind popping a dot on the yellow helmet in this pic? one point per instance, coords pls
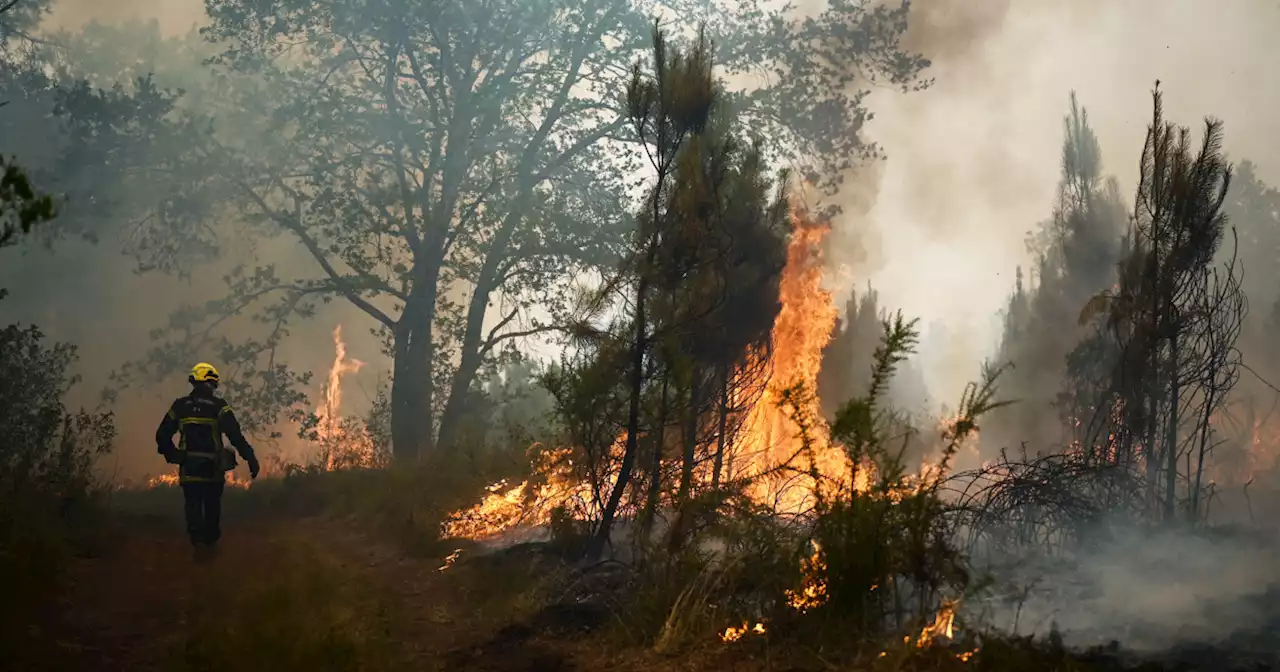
(204, 373)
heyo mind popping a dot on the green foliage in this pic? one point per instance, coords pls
(698, 286)
(21, 207)
(123, 51)
(590, 402)
(885, 553)
(869, 563)
(18, 19)
(107, 148)
(47, 485)
(46, 446)
(1172, 322)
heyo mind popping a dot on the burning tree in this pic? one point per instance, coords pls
(1173, 322)
(703, 274)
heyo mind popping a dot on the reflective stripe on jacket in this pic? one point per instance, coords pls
(201, 419)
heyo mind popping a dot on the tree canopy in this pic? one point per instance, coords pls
(450, 168)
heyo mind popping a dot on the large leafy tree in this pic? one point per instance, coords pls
(102, 148)
(448, 165)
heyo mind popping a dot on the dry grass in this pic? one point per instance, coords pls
(297, 610)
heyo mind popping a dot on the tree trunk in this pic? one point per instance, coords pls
(655, 465)
(689, 442)
(473, 346)
(1171, 433)
(495, 255)
(721, 438)
(595, 548)
(468, 366)
(412, 386)
(1193, 508)
(688, 454)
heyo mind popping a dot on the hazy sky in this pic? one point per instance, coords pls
(973, 162)
(175, 16)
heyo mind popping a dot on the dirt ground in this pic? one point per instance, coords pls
(311, 593)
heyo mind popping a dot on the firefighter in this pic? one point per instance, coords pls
(201, 419)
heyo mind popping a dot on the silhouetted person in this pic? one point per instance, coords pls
(201, 419)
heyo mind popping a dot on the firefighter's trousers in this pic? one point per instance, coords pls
(203, 511)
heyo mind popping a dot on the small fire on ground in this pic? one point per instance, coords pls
(732, 634)
(171, 480)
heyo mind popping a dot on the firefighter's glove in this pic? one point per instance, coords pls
(254, 467)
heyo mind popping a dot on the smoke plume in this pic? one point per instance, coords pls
(973, 161)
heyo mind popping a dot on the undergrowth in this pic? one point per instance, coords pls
(49, 500)
(872, 564)
(296, 611)
(406, 503)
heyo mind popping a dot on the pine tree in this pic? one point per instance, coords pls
(1076, 250)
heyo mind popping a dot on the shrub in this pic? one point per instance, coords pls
(886, 551)
(46, 481)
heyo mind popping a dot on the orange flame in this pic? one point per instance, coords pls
(733, 634)
(768, 441)
(343, 443)
(813, 593)
(802, 330)
(170, 480)
(529, 504)
(942, 626)
(329, 422)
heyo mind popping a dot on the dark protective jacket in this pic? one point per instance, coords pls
(201, 419)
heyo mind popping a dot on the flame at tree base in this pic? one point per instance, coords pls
(767, 451)
(530, 504)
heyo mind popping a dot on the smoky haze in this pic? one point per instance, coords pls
(938, 228)
(89, 294)
(973, 162)
(174, 16)
(973, 165)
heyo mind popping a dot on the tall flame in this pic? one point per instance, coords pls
(329, 421)
(343, 445)
(769, 438)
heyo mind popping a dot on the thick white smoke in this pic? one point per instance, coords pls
(973, 162)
